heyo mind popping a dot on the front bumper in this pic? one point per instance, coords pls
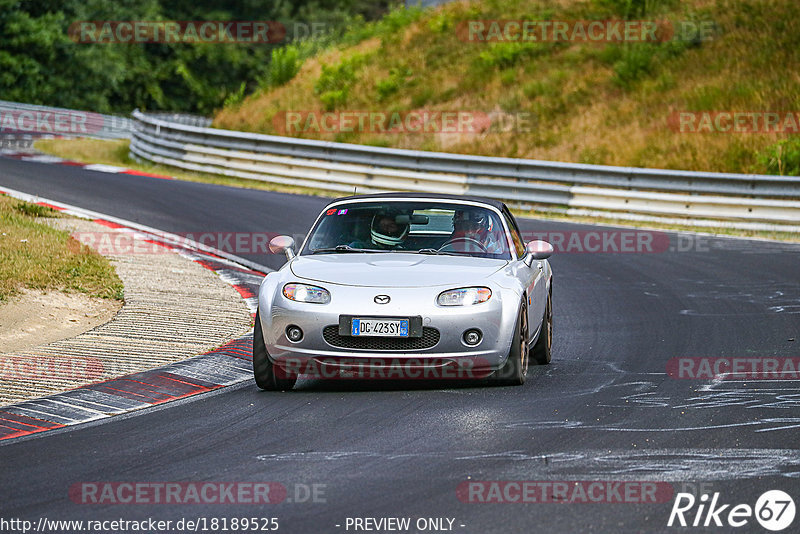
(317, 349)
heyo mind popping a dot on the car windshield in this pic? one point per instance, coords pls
(422, 227)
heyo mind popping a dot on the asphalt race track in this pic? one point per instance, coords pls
(604, 410)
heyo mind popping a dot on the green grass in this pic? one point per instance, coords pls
(33, 255)
(609, 103)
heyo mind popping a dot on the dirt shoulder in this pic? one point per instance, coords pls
(174, 309)
(38, 317)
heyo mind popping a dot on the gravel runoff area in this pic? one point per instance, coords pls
(174, 309)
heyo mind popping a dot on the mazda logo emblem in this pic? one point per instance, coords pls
(382, 299)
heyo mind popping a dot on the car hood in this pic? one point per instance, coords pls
(394, 269)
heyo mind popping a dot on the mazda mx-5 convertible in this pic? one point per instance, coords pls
(406, 285)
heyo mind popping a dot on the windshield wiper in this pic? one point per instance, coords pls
(435, 252)
(343, 248)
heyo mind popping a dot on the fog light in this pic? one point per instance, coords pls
(472, 337)
(294, 333)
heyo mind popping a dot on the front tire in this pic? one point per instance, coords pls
(263, 368)
(515, 370)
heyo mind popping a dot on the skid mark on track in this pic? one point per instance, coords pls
(771, 296)
(717, 393)
(599, 464)
(679, 464)
(772, 424)
(782, 394)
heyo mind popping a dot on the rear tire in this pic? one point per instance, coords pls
(515, 370)
(263, 368)
(541, 350)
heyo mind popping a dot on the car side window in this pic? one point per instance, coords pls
(516, 236)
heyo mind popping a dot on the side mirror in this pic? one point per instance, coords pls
(538, 250)
(282, 243)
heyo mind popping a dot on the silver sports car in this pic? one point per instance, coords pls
(406, 285)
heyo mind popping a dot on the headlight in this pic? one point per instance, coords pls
(306, 293)
(466, 296)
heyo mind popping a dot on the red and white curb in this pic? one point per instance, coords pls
(227, 365)
(100, 167)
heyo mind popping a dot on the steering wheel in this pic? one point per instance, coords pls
(466, 240)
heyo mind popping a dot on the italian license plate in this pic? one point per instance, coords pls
(380, 327)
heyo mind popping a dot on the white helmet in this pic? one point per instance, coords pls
(385, 230)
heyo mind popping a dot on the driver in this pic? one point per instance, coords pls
(385, 231)
(476, 226)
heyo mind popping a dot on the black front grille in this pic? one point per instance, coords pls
(430, 337)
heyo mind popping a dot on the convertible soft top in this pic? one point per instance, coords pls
(424, 196)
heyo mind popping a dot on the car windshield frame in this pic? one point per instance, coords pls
(405, 203)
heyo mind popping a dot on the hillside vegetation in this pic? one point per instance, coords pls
(609, 103)
(43, 62)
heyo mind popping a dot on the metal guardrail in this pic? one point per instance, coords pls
(747, 201)
(183, 118)
(31, 121)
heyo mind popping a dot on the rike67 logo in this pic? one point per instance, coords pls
(774, 510)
